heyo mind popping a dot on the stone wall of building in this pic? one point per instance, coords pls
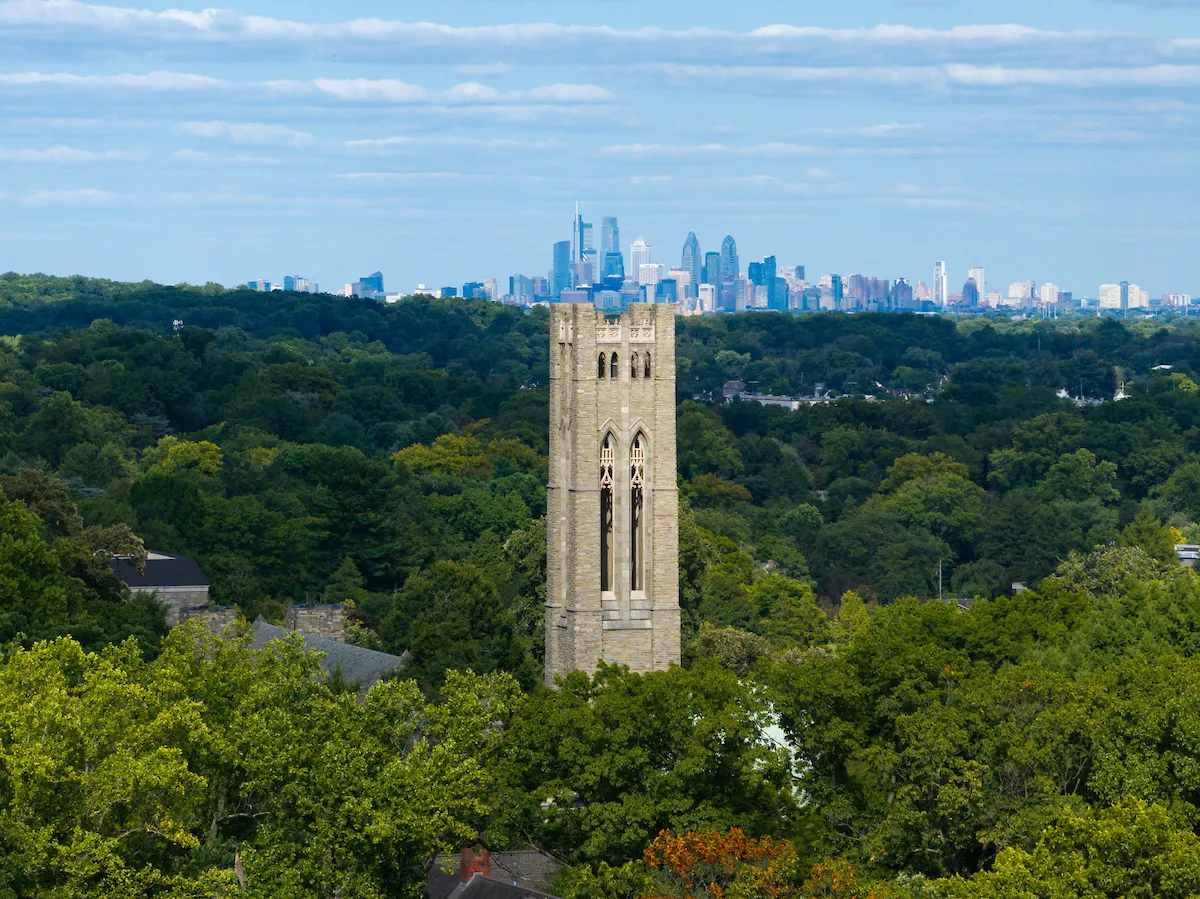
(328, 621)
(592, 399)
(178, 599)
(220, 620)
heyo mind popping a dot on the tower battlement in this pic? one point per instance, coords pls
(612, 505)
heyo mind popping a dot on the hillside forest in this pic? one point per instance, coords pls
(835, 729)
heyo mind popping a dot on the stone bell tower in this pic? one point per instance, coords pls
(612, 505)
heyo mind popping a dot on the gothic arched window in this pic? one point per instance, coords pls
(614, 369)
(637, 518)
(633, 366)
(601, 367)
(607, 554)
(647, 365)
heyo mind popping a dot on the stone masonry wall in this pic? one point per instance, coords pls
(328, 621)
(637, 628)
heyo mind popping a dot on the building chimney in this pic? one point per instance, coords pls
(471, 863)
(328, 621)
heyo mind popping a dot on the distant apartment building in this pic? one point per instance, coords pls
(1049, 294)
(1110, 296)
(1019, 292)
(369, 287)
(650, 273)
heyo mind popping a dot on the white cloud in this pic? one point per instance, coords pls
(219, 31)
(199, 157)
(410, 176)
(155, 81)
(402, 143)
(571, 93)
(387, 90)
(376, 90)
(773, 150)
(59, 155)
(76, 197)
(254, 133)
(938, 78)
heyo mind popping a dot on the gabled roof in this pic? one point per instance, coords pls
(357, 665)
(161, 570)
(447, 886)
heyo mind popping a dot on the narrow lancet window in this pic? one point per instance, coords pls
(647, 365)
(601, 368)
(606, 516)
(614, 370)
(637, 531)
(633, 366)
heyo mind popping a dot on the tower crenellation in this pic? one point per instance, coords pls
(612, 514)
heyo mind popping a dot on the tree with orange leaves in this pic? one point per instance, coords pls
(711, 865)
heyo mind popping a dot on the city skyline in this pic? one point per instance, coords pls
(600, 274)
(147, 142)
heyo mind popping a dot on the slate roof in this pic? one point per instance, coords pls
(358, 665)
(515, 874)
(447, 886)
(161, 570)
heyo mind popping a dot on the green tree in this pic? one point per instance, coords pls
(451, 618)
(1148, 533)
(851, 619)
(1132, 851)
(597, 768)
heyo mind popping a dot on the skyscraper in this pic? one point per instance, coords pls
(1124, 296)
(730, 268)
(835, 287)
(691, 262)
(614, 266)
(712, 269)
(976, 273)
(610, 236)
(970, 293)
(560, 277)
(639, 255)
(583, 236)
(941, 287)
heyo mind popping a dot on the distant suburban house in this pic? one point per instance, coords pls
(478, 874)
(176, 581)
(363, 667)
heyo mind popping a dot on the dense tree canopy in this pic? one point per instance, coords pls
(834, 731)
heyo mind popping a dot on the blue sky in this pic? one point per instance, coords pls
(444, 142)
